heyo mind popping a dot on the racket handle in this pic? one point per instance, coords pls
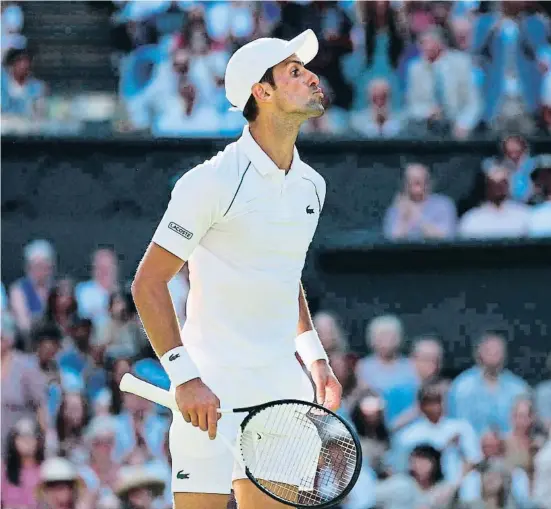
(130, 383)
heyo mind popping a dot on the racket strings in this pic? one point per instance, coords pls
(299, 453)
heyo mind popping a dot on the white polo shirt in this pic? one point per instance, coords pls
(244, 226)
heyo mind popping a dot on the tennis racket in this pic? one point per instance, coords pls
(296, 452)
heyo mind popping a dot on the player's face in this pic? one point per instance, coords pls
(297, 89)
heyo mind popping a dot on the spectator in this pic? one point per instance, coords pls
(462, 33)
(368, 418)
(93, 295)
(539, 222)
(417, 213)
(60, 486)
(231, 24)
(484, 395)
(77, 355)
(493, 451)
(542, 474)
(100, 473)
(28, 295)
(498, 216)
(377, 120)
(72, 418)
(441, 94)
(116, 368)
(525, 438)
(423, 486)
(496, 490)
(23, 387)
(61, 305)
(46, 338)
(137, 487)
(3, 298)
(545, 97)
(543, 398)
(21, 471)
(517, 160)
(22, 94)
(454, 437)
(12, 24)
(386, 371)
(509, 40)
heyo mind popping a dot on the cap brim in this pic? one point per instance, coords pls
(305, 45)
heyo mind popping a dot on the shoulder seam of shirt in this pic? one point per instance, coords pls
(315, 189)
(237, 190)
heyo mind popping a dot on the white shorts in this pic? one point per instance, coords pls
(201, 465)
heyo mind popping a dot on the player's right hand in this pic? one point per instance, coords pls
(198, 405)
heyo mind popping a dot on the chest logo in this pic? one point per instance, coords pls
(309, 210)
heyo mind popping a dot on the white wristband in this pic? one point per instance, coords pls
(179, 366)
(309, 348)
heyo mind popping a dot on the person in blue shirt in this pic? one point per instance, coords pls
(484, 395)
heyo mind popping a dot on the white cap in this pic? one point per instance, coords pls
(249, 63)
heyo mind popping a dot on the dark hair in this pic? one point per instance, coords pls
(395, 44)
(378, 431)
(52, 297)
(45, 330)
(13, 460)
(60, 424)
(250, 111)
(14, 54)
(434, 456)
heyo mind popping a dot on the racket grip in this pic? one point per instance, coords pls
(129, 383)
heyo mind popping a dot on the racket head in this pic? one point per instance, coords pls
(289, 443)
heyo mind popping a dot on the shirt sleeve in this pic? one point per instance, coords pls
(195, 205)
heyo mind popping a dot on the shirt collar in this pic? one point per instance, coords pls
(261, 161)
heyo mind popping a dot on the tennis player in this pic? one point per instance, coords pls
(243, 221)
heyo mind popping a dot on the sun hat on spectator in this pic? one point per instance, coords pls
(25, 426)
(543, 162)
(55, 470)
(249, 63)
(137, 476)
(99, 427)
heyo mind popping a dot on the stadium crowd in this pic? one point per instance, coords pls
(71, 439)
(462, 69)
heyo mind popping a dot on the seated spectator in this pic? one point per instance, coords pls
(421, 486)
(138, 486)
(61, 305)
(493, 451)
(441, 94)
(21, 470)
(427, 357)
(12, 24)
(495, 490)
(543, 397)
(368, 418)
(539, 221)
(525, 438)
(28, 295)
(23, 386)
(231, 24)
(454, 437)
(72, 418)
(417, 213)
(77, 354)
(498, 216)
(116, 368)
(542, 474)
(61, 488)
(100, 471)
(386, 371)
(378, 120)
(93, 295)
(509, 40)
(22, 94)
(484, 395)
(517, 160)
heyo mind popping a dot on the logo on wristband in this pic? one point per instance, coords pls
(173, 356)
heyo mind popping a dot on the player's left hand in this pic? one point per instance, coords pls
(328, 388)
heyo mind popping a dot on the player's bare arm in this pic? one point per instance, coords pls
(150, 291)
(328, 388)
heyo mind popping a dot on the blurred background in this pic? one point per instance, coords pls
(429, 277)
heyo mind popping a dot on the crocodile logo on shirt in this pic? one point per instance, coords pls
(182, 475)
(309, 210)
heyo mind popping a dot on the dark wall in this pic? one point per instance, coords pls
(83, 194)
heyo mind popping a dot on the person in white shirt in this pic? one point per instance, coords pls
(497, 216)
(243, 222)
(455, 438)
